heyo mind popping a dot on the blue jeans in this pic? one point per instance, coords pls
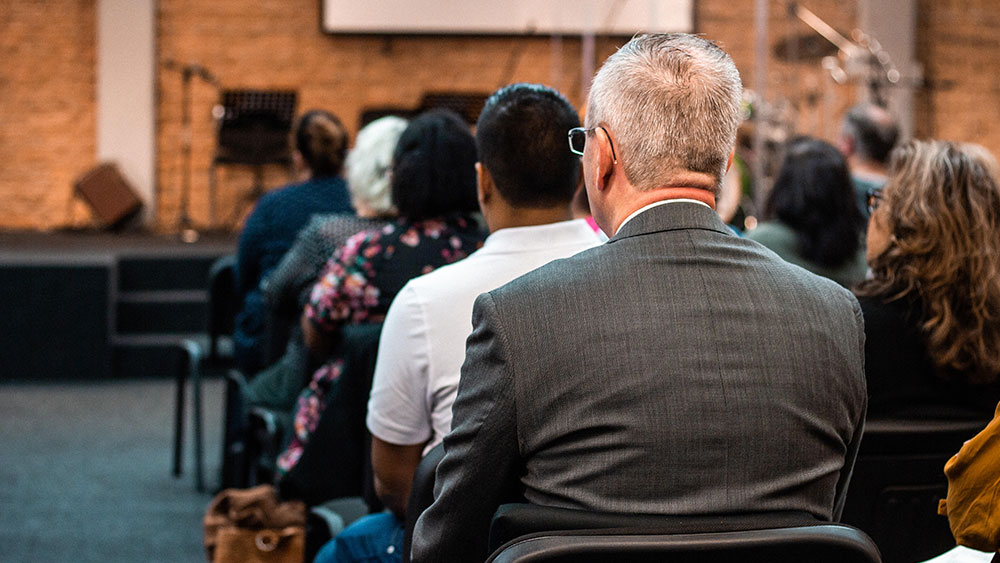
(376, 538)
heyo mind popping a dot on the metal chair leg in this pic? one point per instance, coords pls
(179, 420)
(194, 354)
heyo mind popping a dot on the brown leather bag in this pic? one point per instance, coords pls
(252, 525)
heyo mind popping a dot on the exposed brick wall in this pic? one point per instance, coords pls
(802, 93)
(47, 113)
(277, 44)
(47, 110)
(959, 46)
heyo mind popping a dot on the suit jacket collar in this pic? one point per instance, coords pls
(671, 217)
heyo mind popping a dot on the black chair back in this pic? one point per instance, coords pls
(334, 459)
(421, 494)
(222, 304)
(829, 543)
(897, 482)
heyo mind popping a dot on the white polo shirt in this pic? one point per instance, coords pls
(422, 346)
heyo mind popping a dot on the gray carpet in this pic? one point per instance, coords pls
(85, 473)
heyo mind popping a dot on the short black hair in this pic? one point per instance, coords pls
(813, 194)
(521, 136)
(321, 139)
(874, 131)
(434, 167)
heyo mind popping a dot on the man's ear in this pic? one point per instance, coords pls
(729, 163)
(605, 161)
(484, 184)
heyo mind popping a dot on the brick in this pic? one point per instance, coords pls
(48, 114)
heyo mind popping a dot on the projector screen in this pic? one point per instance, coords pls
(507, 17)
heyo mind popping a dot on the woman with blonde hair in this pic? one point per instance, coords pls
(932, 301)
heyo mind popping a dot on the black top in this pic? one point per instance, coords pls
(902, 379)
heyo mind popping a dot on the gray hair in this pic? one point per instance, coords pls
(370, 161)
(672, 103)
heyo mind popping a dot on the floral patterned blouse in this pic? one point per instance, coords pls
(358, 284)
(363, 277)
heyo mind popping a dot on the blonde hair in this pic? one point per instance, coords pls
(369, 164)
(942, 204)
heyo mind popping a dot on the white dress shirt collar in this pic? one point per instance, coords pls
(657, 204)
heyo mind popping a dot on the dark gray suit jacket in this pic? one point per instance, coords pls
(677, 369)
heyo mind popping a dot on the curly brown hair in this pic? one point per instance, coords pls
(942, 212)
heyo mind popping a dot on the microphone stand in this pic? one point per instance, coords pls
(188, 233)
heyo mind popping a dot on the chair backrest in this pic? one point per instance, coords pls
(333, 460)
(898, 480)
(829, 543)
(222, 303)
(421, 494)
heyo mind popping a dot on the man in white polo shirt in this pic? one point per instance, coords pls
(527, 177)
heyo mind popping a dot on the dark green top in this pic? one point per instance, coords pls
(781, 239)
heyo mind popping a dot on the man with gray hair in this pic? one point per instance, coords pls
(676, 369)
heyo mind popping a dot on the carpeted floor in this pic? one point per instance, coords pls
(85, 473)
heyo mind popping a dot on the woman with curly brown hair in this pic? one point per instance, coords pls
(932, 303)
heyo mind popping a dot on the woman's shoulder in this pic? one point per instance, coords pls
(779, 238)
(892, 325)
(771, 232)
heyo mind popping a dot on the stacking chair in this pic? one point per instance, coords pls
(190, 353)
(222, 307)
(529, 533)
(334, 459)
(221, 320)
(898, 480)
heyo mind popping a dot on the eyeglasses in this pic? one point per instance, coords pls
(874, 199)
(578, 140)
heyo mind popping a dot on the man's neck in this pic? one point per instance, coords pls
(867, 168)
(675, 190)
(512, 217)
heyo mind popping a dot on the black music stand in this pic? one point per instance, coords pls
(254, 128)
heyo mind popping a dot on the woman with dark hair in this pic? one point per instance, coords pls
(434, 191)
(320, 147)
(812, 217)
(932, 305)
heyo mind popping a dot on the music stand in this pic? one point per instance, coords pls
(469, 106)
(254, 128)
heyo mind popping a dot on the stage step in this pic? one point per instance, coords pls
(161, 301)
(163, 273)
(169, 311)
(87, 305)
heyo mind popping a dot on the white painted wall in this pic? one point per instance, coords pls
(573, 17)
(126, 97)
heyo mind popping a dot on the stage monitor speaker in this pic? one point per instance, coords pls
(109, 195)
